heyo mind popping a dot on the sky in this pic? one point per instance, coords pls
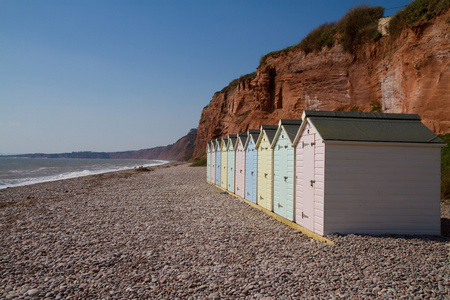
(109, 75)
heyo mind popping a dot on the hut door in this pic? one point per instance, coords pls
(309, 184)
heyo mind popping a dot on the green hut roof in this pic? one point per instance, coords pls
(243, 137)
(232, 139)
(371, 127)
(254, 134)
(291, 128)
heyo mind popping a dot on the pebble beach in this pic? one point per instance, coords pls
(165, 233)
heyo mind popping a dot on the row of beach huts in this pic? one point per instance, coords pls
(337, 172)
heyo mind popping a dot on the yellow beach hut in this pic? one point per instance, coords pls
(264, 196)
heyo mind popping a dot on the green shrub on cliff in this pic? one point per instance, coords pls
(238, 80)
(322, 36)
(416, 12)
(359, 26)
(276, 53)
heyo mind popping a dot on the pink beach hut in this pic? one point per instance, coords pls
(213, 161)
(239, 187)
(367, 173)
(208, 161)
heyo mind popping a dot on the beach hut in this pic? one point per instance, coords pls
(224, 162)
(218, 143)
(264, 195)
(232, 139)
(239, 185)
(213, 161)
(251, 165)
(283, 168)
(367, 173)
(208, 161)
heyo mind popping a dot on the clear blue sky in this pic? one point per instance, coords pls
(126, 75)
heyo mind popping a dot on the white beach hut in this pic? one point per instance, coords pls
(232, 139)
(239, 186)
(368, 173)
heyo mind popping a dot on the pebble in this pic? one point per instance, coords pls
(33, 292)
(167, 234)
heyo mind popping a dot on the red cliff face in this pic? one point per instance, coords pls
(410, 75)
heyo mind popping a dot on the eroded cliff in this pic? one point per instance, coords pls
(408, 75)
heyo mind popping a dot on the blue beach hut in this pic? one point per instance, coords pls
(218, 143)
(284, 168)
(239, 178)
(251, 165)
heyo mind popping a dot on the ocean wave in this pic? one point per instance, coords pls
(5, 183)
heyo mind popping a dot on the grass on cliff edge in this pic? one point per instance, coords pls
(415, 13)
(360, 25)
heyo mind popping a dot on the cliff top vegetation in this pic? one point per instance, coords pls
(360, 25)
(237, 81)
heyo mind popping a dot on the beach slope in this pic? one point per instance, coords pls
(164, 232)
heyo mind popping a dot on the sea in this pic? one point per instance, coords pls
(25, 171)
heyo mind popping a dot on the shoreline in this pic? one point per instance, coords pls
(166, 233)
(74, 174)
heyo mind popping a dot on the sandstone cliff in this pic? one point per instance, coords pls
(410, 75)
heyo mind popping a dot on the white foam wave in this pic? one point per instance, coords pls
(27, 181)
